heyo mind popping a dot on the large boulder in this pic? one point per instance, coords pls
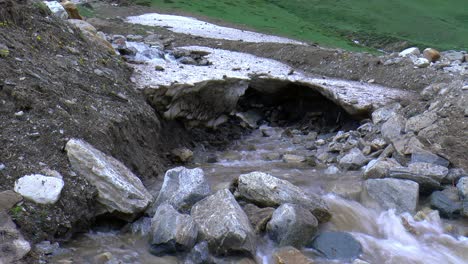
(337, 245)
(401, 195)
(119, 190)
(182, 188)
(354, 160)
(292, 225)
(224, 225)
(172, 231)
(265, 190)
(39, 188)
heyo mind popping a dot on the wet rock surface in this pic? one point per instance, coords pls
(401, 195)
(337, 245)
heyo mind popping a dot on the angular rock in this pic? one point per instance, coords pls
(182, 188)
(172, 231)
(431, 55)
(401, 195)
(119, 190)
(462, 187)
(446, 205)
(384, 113)
(265, 190)
(200, 254)
(8, 199)
(91, 34)
(292, 225)
(393, 127)
(416, 123)
(258, 217)
(224, 225)
(289, 158)
(421, 62)
(380, 168)
(250, 118)
(433, 171)
(429, 157)
(410, 51)
(426, 183)
(13, 246)
(290, 255)
(454, 175)
(407, 144)
(354, 160)
(39, 188)
(337, 245)
(57, 9)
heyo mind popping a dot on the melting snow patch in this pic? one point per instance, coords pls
(192, 26)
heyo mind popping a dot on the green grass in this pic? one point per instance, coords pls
(441, 24)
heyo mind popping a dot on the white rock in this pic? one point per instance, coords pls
(118, 188)
(57, 9)
(39, 188)
(421, 62)
(410, 51)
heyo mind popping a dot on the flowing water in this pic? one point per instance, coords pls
(385, 236)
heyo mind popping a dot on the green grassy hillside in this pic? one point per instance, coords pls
(441, 24)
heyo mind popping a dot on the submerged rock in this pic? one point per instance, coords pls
(292, 225)
(265, 190)
(401, 195)
(337, 245)
(290, 255)
(119, 190)
(172, 231)
(182, 188)
(39, 188)
(224, 225)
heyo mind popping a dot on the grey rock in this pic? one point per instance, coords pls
(332, 170)
(265, 190)
(182, 188)
(290, 158)
(464, 211)
(380, 168)
(454, 175)
(462, 186)
(172, 231)
(429, 157)
(416, 123)
(46, 248)
(433, 171)
(224, 225)
(337, 245)
(12, 244)
(119, 190)
(407, 144)
(200, 254)
(401, 195)
(39, 188)
(393, 127)
(250, 118)
(292, 225)
(430, 91)
(188, 61)
(8, 199)
(426, 183)
(140, 227)
(134, 37)
(258, 217)
(453, 55)
(353, 160)
(446, 205)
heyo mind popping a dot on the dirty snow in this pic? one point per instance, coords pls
(192, 26)
(351, 95)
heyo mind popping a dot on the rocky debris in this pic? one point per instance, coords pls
(290, 255)
(428, 157)
(182, 154)
(57, 9)
(182, 188)
(200, 254)
(447, 202)
(8, 199)
(292, 225)
(384, 113)
(258, 217)
(462, 186)
(401, 195)
(419, 122)
(380, 168)
(265, 190)
(453, 55)
(224, 225)
(393, 127)
(119, 190)
(172, 231)
(410, 51)
(337, 245)
(432, 55)
(40, 188)
(13, 247)
(354, 160)
(290, 158)
(92, 36)
(429, 176)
